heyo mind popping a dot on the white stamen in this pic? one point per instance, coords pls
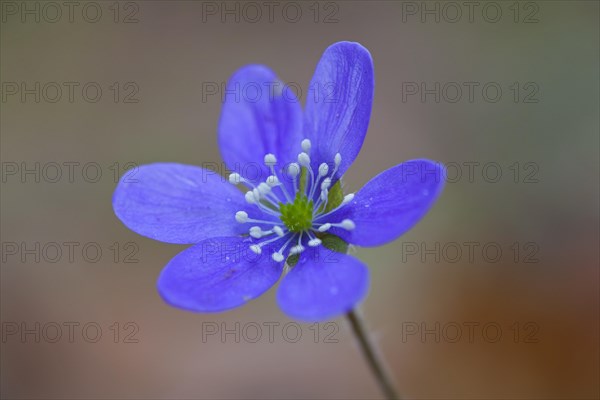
(241, 217)
(337, 159)
(293, 170)
(304, 159)
(348, 198)
(324, 227)
(270, 160)
(324, 194)
(264, 189)
(314, 242)
(256, 232)
(272, 181)
(347, 224)
(235, 178)
(254, 197)
(323, 169)
(282, 249)
(306, 145)
(326, 183)
(257, 248)
(297, 249)
(278, 231)
(277, 257)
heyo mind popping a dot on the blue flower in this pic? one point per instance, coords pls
(291, 163)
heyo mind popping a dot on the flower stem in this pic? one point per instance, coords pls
(368, 349)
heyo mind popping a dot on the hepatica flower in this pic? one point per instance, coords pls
(290, 163)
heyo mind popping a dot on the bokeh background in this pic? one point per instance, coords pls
(164, 60)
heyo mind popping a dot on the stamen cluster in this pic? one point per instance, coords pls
(302, 214)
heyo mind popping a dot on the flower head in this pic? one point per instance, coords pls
(292, 206)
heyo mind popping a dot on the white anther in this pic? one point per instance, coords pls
(306, 145)
(324, 227)
(293, 170)
(256, 248)
(348, 198)
(304, 159)
(249, 196)
(270, 160)
(277, 257)
(323, 169)
(263, 188)
(235, 178)
(241, 217)
(314, 242)
(272, 181)
(278, 231)
(326, 183)
(297, 249)
(337, 159)
(256, 232)
(324, 194)
(347, 224)
(257, 195)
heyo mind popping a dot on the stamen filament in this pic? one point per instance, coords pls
(266, 209)
(259, 221)
(257, 248)
(278, 256)
(347, 199)
(298, 248)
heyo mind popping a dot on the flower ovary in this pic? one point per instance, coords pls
(297, 216)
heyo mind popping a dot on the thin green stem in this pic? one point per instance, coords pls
(368, 349)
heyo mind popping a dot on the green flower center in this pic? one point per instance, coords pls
(297, 216)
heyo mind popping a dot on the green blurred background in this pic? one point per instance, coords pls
(164, 58)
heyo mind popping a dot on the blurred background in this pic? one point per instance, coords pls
(495, 294)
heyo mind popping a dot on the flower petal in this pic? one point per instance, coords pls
(323, 287)
(391, 203)
(178, 203)
(260, 115)
(217, 275)
(338, 104)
